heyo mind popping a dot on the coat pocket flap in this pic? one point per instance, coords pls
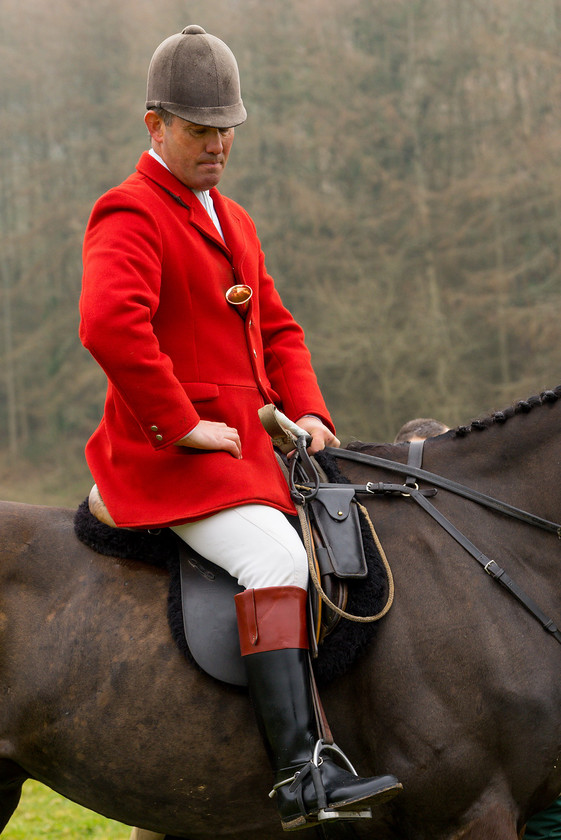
(198, 391)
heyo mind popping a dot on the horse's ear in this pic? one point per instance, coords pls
(98, 509)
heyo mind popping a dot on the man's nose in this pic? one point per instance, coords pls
(214, 144)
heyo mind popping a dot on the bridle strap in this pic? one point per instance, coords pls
(409, 489)
(490, 566)
(414, 459)
(446, 484)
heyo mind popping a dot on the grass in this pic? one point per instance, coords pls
(44, 815)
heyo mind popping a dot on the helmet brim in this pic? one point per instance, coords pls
(220, 116)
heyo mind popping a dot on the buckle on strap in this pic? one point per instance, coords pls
(493, 569)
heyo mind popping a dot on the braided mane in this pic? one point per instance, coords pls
(521, 407)
(478, 425)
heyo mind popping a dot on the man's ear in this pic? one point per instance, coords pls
(155, 126)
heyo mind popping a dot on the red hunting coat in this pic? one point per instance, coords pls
(154, 315)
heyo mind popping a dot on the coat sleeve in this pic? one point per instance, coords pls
(122, 258)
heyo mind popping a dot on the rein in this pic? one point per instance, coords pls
(410, 489)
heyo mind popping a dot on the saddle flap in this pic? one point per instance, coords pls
(209, 617)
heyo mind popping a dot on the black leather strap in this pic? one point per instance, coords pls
(447, 484)
(303, 472)
(409, 489)
(414, 459)
(490, 566)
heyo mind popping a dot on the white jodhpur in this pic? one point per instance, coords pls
(256, 544)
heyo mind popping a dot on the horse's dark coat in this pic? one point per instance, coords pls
(458, 695)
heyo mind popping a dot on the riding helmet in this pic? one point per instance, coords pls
(195, 76)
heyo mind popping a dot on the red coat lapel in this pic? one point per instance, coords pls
(197, 215)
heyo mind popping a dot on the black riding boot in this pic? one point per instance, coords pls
(308, 784)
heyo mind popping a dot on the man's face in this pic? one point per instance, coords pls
(196, 154)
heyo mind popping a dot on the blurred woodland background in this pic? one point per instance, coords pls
(402, 162)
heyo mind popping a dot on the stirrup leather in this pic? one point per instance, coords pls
(311, 768)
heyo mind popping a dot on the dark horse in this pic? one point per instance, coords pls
(458, 694)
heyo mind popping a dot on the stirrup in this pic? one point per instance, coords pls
(315, 761)
(330, 813)
(321, 746)
(312, 767)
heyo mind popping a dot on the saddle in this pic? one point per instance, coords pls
(207, 591)
(339, 545)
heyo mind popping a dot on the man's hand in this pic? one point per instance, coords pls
(321, 435)
(213, 436)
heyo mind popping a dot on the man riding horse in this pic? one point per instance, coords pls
(178, 309)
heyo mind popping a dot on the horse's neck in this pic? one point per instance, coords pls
(516, 461)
